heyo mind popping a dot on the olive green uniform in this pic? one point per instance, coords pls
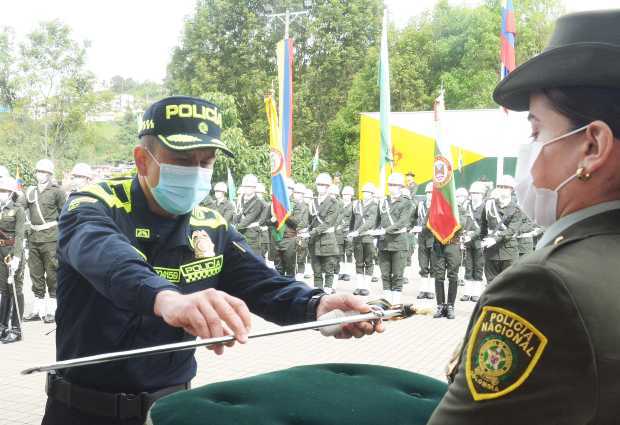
(425, 242)
(302, 243)
(503, 225)
(44, 207)
(12, 232)
(226, 210)
(249, 222)
(365, 218)
(542, 344)
(345, 228)
(395, 217)
(474, 254)
(340, 236)
(412, 223)
(525, 238)
(322, 243)
(286, 249)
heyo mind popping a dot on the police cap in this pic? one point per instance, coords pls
(182, 123)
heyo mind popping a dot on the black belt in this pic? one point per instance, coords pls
(114, 405)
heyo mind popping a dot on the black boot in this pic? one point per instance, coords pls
(5, 306)
(450, 311)
(15, 333)
(441, 311)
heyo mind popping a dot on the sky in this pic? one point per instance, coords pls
(135, 38)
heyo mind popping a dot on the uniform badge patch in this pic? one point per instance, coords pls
(203, 245)
(143, 233)
(502, 351)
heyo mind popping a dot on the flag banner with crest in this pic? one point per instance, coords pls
(285, 97)
(443, 216)
(279, 192)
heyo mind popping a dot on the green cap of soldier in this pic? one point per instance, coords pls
(183, 123)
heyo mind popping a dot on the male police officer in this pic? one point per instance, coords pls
(365, 217)
(502, 222)
(12, 224)
(45, 201)
(393, 244)
(425, 246)
(322, 238)
(222, 204)
(251, 214)
(142, 265)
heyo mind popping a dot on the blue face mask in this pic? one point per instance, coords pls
(181, 189)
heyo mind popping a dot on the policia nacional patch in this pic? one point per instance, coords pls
(502, 351)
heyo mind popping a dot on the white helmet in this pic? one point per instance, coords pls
(260, 188)
(507, 181)
(45, 165)
(369, 187)
(220, 187)
(334, 190)
(478, 187)
(8, 184)
(82, 169)
(4, 172)
(461, 192)
(249, 180)
(299, 188)
(396, 179)
(348, 190)
(323, 179)
(429, 187)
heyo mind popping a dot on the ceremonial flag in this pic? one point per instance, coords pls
(285, 77)
(315, 160)
(385, 153)
(18, 179)
(232, 189)
(507, 37)
(443, 218)
(279, 195)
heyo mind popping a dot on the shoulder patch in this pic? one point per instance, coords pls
(502, 351)
(76, 202)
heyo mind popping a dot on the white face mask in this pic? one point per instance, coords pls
(539, 204)
(367, 197)
(219, 195)
(78, 182)
(321, 189)
(42, 178)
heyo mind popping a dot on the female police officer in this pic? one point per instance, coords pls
(140, 264)
(543, 343)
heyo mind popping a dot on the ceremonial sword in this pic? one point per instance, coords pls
(381, 310)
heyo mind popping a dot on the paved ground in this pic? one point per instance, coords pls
(419, 344)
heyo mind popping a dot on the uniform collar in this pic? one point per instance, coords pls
(144, 218)
(568, 221)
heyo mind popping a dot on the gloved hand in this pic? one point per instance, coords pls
(417, 229)
(353, 234)
(14, 264)
(466, 239)
(379, 232)
(488, 242)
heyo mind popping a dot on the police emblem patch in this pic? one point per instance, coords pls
(203, 245)
(502, 351)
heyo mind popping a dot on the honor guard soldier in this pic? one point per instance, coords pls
(222, 204)
(334, 192)
(142, 264)
(502, 223)
(322, 236)
(425, 246)
(393, 244)
(542, 343)
(44, 203)
(309, 200)
(250, 214)
(81, 176)
(474, 254)
(295, 224)
(345, 227)
(12, 225)
(301, 243)
(365, 220)
(411, 236)
(527, 232)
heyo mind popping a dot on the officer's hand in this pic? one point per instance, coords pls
(206, 314)
(14, 264)
(348, 302)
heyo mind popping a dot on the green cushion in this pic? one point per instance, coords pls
(317, 394)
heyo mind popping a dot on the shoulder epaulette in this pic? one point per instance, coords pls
(207, 217)
(114, 193)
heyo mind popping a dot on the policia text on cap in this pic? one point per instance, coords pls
(140, 264)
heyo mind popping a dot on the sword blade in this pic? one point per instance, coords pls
(188, 345)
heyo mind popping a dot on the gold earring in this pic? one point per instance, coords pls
(582, 174)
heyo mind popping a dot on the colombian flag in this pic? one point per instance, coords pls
(279, 195)
(443, 216)
(507, 37)
(285, 77)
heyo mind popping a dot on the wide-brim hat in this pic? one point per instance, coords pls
(584, 51)
(184, 123)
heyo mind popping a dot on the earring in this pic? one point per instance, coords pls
(582, 174)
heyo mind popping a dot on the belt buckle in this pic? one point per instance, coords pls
(129, 405)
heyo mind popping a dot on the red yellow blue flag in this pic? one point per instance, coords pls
(279, 192)
(285, 78)
(507, 37)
